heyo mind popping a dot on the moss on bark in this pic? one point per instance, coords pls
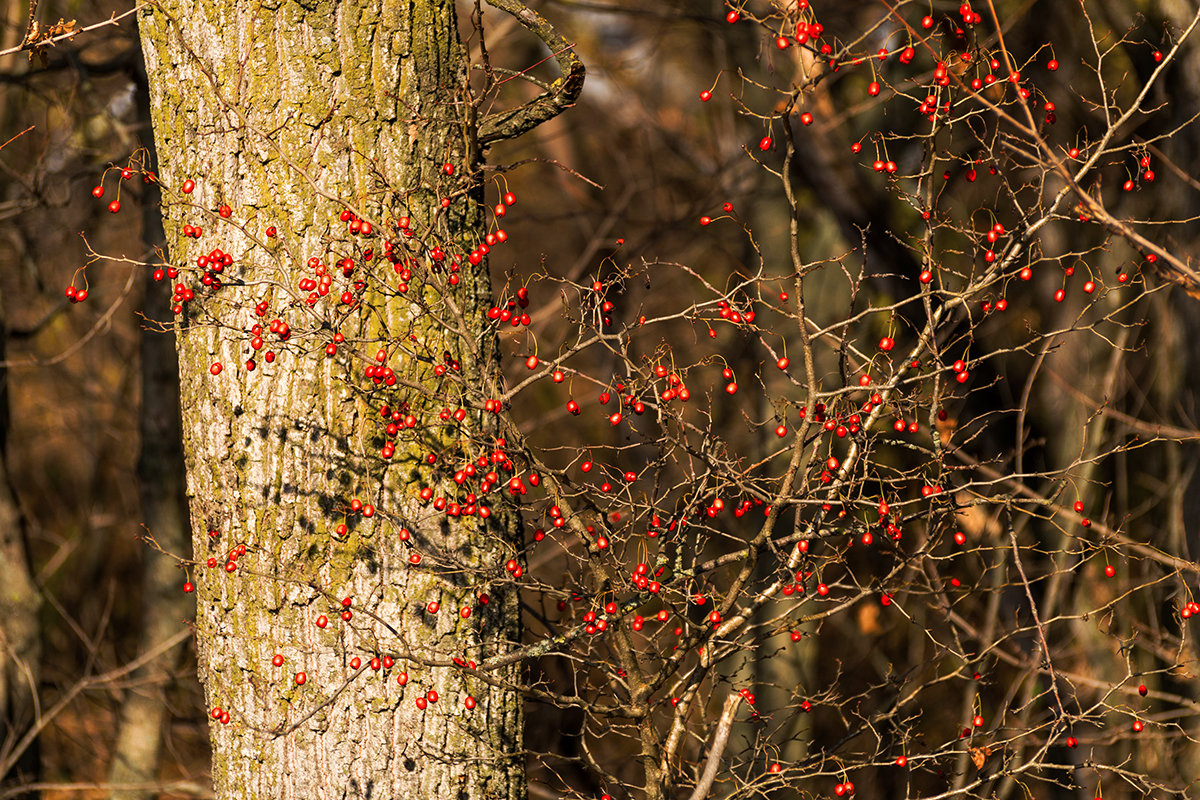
(290, 113)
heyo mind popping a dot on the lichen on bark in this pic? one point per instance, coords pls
(290, 114)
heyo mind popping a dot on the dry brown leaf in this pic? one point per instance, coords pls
(945, 429)
(38, 39)
(979, 755)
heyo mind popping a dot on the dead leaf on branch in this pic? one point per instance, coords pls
(945, 429)
(39, 40)
(979, 755)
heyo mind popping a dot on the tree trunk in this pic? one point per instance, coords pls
(20, 631)
(291, 113)
(20, 642)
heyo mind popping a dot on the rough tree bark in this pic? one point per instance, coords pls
(292, 112)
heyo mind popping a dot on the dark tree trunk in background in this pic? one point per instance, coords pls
(20, 636)
(137, 751)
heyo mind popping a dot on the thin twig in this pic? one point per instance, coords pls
(113, 20)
